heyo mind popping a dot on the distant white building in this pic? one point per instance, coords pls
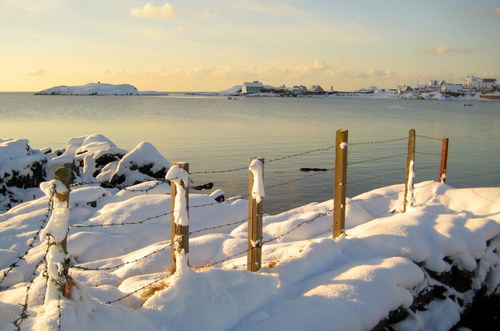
(253, 87)
(301, 89)
(316, 89)
(453, 88)
(480, 83)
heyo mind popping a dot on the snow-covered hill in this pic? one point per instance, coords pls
(97, 89)
(417, 270)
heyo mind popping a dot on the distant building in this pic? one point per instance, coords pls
(435, 84)
(253, 87)
(300, 89)
(316, 89)
(453, 88)
(404, 89)
(478, 83)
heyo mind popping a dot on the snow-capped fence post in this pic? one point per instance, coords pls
(59, 283)
(340, 182)
(444, 160)
(178, 175)
(409, 199)
(255, 210)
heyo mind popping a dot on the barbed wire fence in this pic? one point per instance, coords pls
(311, 173)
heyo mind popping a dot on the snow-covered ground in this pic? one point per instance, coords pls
(388, 262)
(97, 89)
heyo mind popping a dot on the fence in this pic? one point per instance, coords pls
(54, 227)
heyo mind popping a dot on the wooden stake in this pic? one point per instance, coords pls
(340, 183)
(444, 160)
(179, 234)
(65, 175)
(255, 211)
(410, 166)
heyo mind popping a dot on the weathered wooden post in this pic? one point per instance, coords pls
(409, 199)
(444, 160)
(178, 175)
(255, 210)
(59, 283)
(339, 189)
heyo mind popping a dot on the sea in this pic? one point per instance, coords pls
(218, 135)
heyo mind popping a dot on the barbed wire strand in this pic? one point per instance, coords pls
(119, 224)
(32, 239)
(138, 290)
(59, 311)
(376, 142)
(270, 187)
(376, 159)
(23, 315)
(428, 137)
(121, 264)
(219, 226)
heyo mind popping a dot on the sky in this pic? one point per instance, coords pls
(211, 45)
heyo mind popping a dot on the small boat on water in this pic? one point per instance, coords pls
(468, 104)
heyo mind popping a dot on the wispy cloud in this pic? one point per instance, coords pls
(494, 12)
(34, 6)
(37, 73)
(443, 49)
(151, 11)
(471, 12)
(205, 12)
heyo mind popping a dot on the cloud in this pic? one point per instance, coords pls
(494, 12)
(34, 6)
(205, 12)
(471, 12)
(151, 11)
(443, 49)
(37, 73)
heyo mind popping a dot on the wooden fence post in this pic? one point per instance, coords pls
(59, 283)
(340, 182)
(444, 160)
(410, 171)
(179, 212)
(65, 175)
(255, 211)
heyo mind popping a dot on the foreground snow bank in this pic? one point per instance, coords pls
(417, 270)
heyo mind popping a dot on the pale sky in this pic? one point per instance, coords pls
(211, 45)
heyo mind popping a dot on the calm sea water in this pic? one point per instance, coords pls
(216, 133)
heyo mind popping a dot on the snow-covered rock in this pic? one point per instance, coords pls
(97, 89)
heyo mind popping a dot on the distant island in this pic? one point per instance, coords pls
(97, 89)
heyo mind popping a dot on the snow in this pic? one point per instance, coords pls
(308, 280)
(257, 170)
(97, 89)
(180, 178)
